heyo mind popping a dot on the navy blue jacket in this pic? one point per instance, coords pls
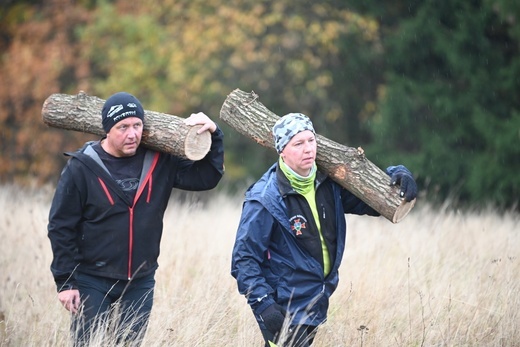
(267, 261)
(95, 228)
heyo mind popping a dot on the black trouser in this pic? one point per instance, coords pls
(119, 307)
(298, 336)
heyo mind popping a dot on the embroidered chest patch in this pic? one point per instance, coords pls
(298, 224)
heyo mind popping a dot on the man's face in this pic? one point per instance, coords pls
(124, 137)
(300, 153)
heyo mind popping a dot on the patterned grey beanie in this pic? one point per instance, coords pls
(289, 125)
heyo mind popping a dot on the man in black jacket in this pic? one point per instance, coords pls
(106, 218)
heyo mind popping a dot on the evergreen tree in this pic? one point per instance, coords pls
(449, 108)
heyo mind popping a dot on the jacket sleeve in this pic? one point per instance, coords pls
(64, 218)
(249, 251)
(354, 205)
(203, 174)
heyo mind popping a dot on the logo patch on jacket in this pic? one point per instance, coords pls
(298, 223)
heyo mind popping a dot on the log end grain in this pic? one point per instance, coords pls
(402, 210)
(45, 110)
(196, 146)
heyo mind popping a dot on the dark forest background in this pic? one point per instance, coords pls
(433, 85)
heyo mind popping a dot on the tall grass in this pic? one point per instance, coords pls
(438, 278)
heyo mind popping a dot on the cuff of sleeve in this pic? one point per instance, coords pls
(66, 286)
(260, 306)
(217, 133)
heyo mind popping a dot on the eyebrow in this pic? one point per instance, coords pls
(130, 124)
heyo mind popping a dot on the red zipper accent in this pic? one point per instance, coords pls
(130, 242)
(147, 180)
(107, 193)
(149, 190)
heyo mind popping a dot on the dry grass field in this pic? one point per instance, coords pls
(438, 278)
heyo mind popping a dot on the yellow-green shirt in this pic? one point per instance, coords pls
(305, 187)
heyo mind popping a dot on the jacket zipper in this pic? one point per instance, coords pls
(130, 242)
(147, 180)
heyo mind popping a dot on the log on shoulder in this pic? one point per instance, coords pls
(161, 132)
(346, 165)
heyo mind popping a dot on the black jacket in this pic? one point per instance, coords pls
(95, 228)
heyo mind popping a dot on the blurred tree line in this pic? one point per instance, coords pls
(432, 85)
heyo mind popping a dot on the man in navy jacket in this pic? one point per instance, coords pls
(291, 236)
(106, 218)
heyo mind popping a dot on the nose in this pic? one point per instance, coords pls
(131, 132)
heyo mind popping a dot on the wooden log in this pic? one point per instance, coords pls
(161, 132)
(346, 165)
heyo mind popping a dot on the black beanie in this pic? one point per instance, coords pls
(118, 107)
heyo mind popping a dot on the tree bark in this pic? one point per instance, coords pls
(346, 165)
(161, 132)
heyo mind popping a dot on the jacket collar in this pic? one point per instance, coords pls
(89, 157)
(284, 186)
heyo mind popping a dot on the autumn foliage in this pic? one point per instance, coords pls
(176, 56)
(40, 56)
(429, 86)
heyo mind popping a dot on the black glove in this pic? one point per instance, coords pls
(401, 176)
(273, 317)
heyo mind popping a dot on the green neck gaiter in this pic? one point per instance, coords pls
(302, 185)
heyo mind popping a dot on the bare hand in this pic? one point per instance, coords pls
(200, 118)
(70, 300)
